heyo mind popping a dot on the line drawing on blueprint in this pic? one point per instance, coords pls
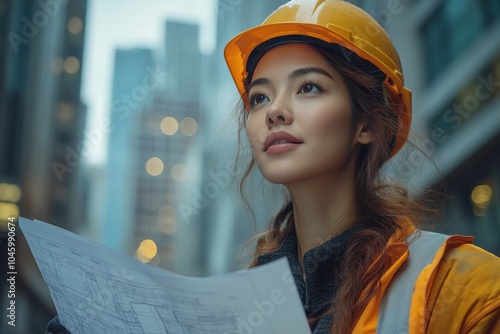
(124, 304)
(100, 290)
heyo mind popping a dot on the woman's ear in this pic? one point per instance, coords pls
(363, 136)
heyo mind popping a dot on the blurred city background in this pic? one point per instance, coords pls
(115, 123)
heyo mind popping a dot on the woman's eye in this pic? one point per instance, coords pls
(309, 88)
(258, 98)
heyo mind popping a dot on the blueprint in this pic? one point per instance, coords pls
(98, 290)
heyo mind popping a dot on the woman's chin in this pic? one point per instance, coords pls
(283, 178)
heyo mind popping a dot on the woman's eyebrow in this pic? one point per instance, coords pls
(306, 70)
(259, 81)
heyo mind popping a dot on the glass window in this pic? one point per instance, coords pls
(453, 27)
(492, 10)
(465, 22)
(434, 38)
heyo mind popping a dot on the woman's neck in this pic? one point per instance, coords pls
(322, 208)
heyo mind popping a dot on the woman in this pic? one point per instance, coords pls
(324, 108)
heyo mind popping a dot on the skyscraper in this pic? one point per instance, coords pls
(134, 80)
(167, 164)
(182, 61)
(41, 137)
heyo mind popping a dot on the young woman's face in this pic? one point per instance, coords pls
(300, 123)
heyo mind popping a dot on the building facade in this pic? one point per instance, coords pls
(450, 54)
(167, 157)
(134, 82)
(42, 139)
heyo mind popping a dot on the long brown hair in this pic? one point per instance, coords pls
(380, 205)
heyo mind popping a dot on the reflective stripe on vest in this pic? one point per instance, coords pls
(394, 313)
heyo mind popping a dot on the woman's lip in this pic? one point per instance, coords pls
(284, 147)
(280, 135)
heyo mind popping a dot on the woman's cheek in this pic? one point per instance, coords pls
(252, 134)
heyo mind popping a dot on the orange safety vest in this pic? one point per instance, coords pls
(436, 284)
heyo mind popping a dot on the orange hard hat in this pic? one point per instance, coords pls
(328, 21)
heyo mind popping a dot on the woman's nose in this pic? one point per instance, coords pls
(278, 113)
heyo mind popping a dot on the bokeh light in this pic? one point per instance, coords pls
(169, 126)
(189, 126)
(146, 251)
(10, 192)
(481, 195)
(167, 219)
(75, 25)
(179, 173)
(71, 65)
(154, 166)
